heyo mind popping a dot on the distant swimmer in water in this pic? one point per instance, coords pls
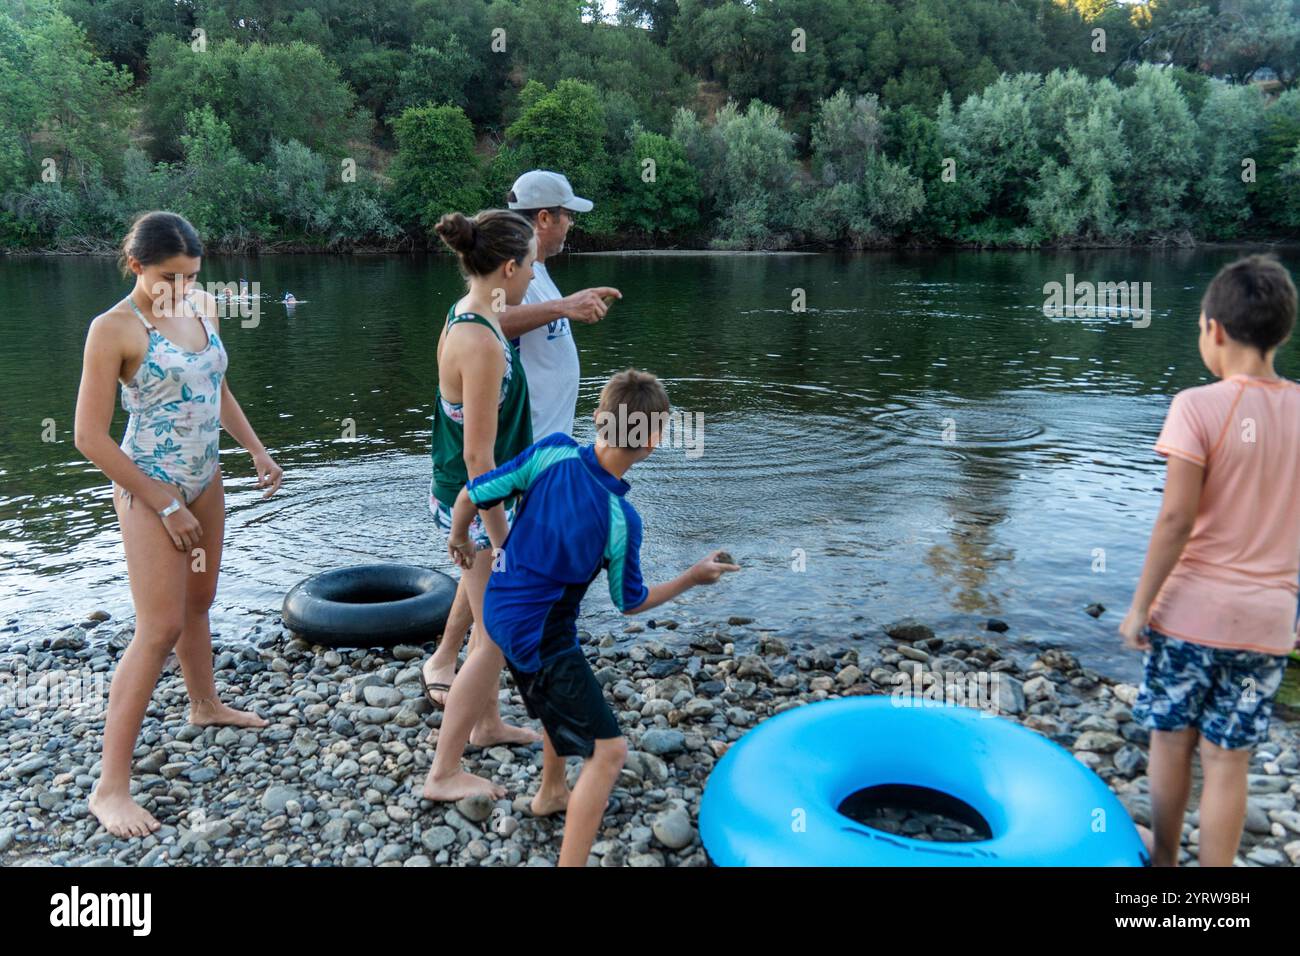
(289, 299)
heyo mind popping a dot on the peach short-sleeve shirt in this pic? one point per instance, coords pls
(1235, 584)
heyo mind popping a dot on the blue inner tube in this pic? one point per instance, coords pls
(774, 798)
(371, 605)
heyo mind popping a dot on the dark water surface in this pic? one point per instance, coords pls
(921, 441)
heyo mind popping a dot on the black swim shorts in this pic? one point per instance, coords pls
(566, 697)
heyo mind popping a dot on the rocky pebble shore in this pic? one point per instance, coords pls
(336, 778)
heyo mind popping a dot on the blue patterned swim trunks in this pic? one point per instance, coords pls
(1228, 695)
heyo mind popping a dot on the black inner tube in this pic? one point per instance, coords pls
(372, 584)
(375, 594)
(370, 605)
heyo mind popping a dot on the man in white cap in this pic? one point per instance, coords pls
(539, 326)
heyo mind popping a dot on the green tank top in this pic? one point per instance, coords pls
(514, 421)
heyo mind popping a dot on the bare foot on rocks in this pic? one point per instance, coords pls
(502, 733)
(546, 803)
(122, 816)
(462, 785)
(212, 712)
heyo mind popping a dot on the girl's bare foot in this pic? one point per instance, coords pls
(487, 734)
(122, 816)
(210, 711)
(438, 675)
(545, 803)
(462, 785)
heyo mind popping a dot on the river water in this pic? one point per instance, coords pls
(880, 436)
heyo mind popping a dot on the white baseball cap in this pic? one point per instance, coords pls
(543, 189)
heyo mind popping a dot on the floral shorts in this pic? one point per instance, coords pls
(477, 533)
(1226, 694)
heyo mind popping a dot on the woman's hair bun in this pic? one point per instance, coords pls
(485, 241)
(458, 231)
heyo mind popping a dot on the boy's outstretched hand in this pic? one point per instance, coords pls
(713, 567)
(1133, 629)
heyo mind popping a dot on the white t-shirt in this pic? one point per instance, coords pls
(550, 360)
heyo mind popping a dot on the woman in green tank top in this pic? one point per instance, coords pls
(513, 422)
(481, 419)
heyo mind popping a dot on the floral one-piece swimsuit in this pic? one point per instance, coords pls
(174, 401)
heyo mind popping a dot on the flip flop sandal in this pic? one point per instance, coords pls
(428, 689)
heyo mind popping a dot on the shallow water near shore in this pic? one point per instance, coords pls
(921, 441)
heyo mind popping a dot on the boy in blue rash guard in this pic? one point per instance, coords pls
(573, 521)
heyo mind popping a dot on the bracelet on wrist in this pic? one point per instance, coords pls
(171, 509)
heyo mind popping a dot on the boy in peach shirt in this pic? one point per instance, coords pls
(1215, 608)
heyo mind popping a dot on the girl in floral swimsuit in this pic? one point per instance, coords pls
(175, 403)
(163, 349)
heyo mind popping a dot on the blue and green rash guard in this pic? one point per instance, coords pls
(573, 521)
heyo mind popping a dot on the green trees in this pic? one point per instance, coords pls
(262, 92)
(747, 171)
(217, 185)
(908, 53)
(62, 116)
(1160, 133)
(1229, 134)
(1075, 195)
(563, 129)
(845, 136)
(858, 196)
(436, 74)
(297, 195)
(550, 41)
(301, 203)
(1277, 192)
(62, 127)
(1231, 40)
(660, 189)
(1077, 198)
(741, 123)
(120, 30)
(994, 147)
(435, 170)
(1068, 158)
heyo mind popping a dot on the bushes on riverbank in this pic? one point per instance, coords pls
(712, 126)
